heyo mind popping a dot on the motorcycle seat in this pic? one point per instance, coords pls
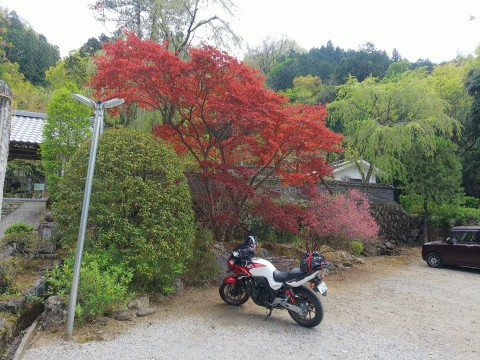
(283, 276)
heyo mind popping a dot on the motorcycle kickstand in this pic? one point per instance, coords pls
(269, 313)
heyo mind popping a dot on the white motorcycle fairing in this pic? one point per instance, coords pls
(264, 268)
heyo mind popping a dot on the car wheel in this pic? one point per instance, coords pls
(434, 260)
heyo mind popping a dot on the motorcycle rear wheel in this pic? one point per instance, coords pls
(306, 298)
(233, 294)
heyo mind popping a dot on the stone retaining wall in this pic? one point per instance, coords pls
(395, 224)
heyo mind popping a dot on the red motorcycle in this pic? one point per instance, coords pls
(258, 279)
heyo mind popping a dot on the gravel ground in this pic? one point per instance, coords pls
(391, 308)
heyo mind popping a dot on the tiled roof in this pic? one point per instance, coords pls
(27, 127)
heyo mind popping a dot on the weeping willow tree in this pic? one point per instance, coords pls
(383, 120)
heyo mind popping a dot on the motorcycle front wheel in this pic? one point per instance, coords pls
(308, 301)
(233, 294)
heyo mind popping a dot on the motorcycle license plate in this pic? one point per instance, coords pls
(322, 287)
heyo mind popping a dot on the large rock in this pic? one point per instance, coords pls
(55, 313)
(221, 258)
(123, 315)
(140, 302)
(145, 312)
(15, 306)
(38, 289)
(179, 288)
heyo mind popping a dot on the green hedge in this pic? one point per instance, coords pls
(140, 209)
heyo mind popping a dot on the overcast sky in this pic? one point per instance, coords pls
(431, 29)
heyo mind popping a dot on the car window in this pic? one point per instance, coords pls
(464, 236)
(476, 238)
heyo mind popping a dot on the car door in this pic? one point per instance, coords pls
(458, 251)
(474, 251)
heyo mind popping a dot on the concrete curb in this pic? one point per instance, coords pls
(24, 343)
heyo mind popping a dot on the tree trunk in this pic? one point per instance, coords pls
(425, 220)
(369, 173)
(330, 190)
(5, 124)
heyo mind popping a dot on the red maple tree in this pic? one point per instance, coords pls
(217, 110)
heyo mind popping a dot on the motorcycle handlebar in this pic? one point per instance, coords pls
(243, 253)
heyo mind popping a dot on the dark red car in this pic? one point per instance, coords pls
(462, 248)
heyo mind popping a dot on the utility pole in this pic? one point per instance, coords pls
(99, 107)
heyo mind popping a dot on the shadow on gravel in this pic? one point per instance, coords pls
(462, 269)
(254, 316)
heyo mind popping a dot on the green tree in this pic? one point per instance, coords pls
(381, 120)
(270, 52)
(66, 127)
(471, 150)
(29, 49)
(140, 211)
(25, 95)
(448, 81)
(331, 64)
(317, 62)
(310, 90)
(367, 61)
(433, 175)
(73, 69)
(282, 74)
(396, 57)
(422, 63)
(77, 67)
(397, 68)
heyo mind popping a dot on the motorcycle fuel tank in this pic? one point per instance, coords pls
(264, 268)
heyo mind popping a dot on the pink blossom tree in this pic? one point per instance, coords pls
(338, 218)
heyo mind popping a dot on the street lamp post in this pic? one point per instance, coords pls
(97, 129)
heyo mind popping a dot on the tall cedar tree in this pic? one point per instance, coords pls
(218, 111)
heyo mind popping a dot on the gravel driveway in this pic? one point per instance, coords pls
(391, 308)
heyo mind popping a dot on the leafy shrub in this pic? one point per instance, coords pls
(25, 243)
(103, 286)
(19, 228)
(356, 247)
(471, 202)
(23, 236)
(140, 209)
(202, 268)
